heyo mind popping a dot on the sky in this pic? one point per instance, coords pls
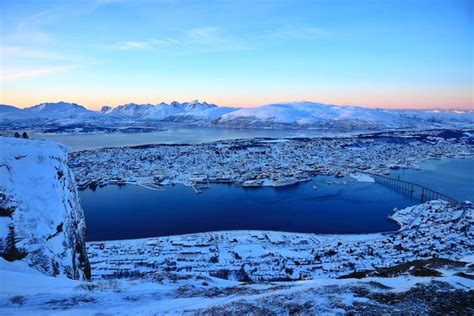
(387, 53)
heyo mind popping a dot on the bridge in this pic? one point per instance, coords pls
(412, 189)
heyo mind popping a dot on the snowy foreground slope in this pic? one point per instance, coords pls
(425, 267)
(41, 220)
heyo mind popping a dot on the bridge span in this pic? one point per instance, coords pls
(412, 189)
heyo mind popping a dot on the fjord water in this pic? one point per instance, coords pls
(175, 135)
(453, 177)
(130, 211)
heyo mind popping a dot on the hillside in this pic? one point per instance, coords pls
(41, 221)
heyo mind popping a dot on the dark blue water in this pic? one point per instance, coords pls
(114, 212)
(130, 211)
(453, 177)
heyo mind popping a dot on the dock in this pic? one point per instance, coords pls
(195, 190)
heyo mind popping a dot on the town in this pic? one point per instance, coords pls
(265, 162)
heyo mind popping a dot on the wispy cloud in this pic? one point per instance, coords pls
(30, 52)
(143, 44)
(33, 28)
(18, 62)
(300, 32)
(30, 28)
(208, 38)
(16, 73)
(25, 50)
(213, 38)
(207, 35)
(133, 45)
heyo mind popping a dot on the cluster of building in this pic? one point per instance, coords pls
(263, 162)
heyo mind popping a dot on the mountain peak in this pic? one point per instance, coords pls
(56, 106)
(105, 109)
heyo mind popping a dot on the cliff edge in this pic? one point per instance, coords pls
(41, 220)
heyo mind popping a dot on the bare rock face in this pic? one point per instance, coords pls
(41, 220)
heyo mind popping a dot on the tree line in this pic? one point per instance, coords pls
(23, 135)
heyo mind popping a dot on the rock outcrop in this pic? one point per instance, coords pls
(41, 220)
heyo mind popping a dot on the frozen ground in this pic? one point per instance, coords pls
(26, 292)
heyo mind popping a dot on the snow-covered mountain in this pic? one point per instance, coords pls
(8, 109)
(172, 112)
(41, 221)
(278, 115)
(309, 114)
(55, 113)
(57, 109)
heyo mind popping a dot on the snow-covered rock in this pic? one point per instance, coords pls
(41, 220)
(106, 109)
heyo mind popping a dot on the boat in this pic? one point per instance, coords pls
(284, 182)
(315, 187)
(200, 187)
(252, 183)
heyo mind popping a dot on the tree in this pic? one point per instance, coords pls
(17, 135)
(24, 135)
(11, 252)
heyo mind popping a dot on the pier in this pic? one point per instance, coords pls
(195, 190)
(412, 189)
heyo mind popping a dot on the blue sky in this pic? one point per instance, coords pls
(401, 54)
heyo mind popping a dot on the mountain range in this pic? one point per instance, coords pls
(278, 115)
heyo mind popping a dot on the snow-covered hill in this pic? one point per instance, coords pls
(47, 111)
(41, 220)
(57, 110)
(279, 115)
(8, 109)
(310, 114)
